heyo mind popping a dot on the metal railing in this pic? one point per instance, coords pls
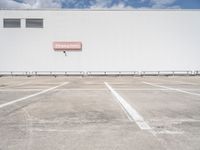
(100, 73)
(15, 73)
(58, 73)
(197, 73)
(112, 73)
(167, 73)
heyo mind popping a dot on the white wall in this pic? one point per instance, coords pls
(112, 40)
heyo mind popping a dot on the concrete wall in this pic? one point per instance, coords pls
(112, 40)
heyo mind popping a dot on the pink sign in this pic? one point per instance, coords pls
(67, 46)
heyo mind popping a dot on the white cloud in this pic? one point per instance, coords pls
(99, 4)
(12, 4)
(30, 4)
(162, 3)
(93, 4)
(47, 4)
(120, 6)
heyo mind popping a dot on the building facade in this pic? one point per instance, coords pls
(110, 40)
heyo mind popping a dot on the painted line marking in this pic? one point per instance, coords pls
(32, 95)
(19, 90)
(186, 82)
(152, 89)
(179, 82)
(134, 115)
(169, 88)
(78, 89)
(23, 83)
(15, 84)
(53, 130)
(170, 132)
(24, 90)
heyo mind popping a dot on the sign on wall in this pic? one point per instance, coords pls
(67, 46)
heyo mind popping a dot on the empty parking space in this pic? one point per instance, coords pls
(99, 113)
(172, 113)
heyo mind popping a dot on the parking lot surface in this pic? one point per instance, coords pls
(100, 113)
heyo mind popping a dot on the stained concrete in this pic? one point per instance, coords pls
(84, 114)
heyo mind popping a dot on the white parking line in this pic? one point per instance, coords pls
(180, 82)
(123, 89)
(186, 82)
(23, 83)
(13, 85)
(130, 110)
(98, 89)
(174, 89)
(33, 95)
(19, 90)
(24, 90)
(53, 130)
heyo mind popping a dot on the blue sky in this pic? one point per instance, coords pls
(99, 4)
